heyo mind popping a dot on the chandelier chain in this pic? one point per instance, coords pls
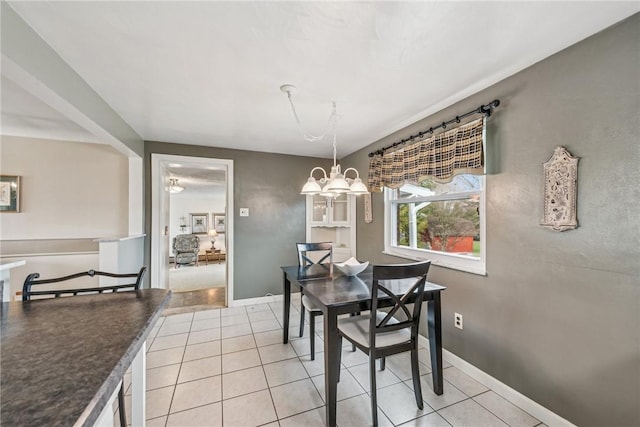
(331, 124)
(335, 183)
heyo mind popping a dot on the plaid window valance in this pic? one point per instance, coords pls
(439, 157)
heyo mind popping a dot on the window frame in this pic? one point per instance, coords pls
(443, 259)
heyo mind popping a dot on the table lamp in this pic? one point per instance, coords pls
(213, 234)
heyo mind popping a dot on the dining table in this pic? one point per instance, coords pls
(337, 294)
(63, 359)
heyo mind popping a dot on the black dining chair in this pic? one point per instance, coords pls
(310, 254)
(384, 333)
(28, 292)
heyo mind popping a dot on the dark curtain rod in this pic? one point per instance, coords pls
(483, 109)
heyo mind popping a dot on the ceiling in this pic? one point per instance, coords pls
(198, 179)
(208, 73)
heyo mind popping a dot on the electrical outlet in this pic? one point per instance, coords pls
(457, 320)
(244, 211)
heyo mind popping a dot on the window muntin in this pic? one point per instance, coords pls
(441, 222)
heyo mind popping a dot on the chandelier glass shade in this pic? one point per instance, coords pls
(337, 182)
(174, 187)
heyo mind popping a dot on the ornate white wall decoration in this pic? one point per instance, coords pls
(560, 188)
(367, 208)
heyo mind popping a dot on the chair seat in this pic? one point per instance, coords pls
(309, 305)
(357, 328)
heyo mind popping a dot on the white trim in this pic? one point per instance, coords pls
(157, 181)
(259, 300)
(32, 255)
(157, 278)
(5, 276)
(11, 264)
(442, 259)
(473, 266)
(105, 419)
(136, 196)
(139, 387)
(533, 408)
(118, 239)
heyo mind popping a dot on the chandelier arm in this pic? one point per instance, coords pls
(351, 169)
(324, 177)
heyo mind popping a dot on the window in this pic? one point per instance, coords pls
(441, 222)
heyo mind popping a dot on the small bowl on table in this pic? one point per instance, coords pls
(351, 267)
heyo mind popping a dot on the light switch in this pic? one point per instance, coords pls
(244, 211)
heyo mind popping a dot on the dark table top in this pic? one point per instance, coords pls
(63, 358)
(338, 289)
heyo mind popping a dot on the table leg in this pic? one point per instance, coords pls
(287, 307)
(331, 365)
(435, 341)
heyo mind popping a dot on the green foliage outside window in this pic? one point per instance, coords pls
(443, 224)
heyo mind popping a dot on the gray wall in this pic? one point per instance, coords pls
(269, 185)
(557, 316)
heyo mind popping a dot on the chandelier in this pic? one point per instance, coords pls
(337, 182)
(174, 187)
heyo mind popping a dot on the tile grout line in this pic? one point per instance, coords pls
(221, 374)
(472, 398)
(273, 403)
(313, 383)
(175, 386)
(308, 378)
(300, 360)
(489, 410)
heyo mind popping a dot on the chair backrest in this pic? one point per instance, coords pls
(322, 251)
(186, 243)
(383, 277)
(31, 281)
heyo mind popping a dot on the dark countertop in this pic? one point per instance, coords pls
(62, 358)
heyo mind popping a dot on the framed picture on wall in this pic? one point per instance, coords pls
(199, 223)
(219, 222)
(9, 193)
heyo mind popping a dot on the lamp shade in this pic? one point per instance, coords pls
(358, 187)
(338, 184)
(328, 194)
(213, 233)
(311, 187)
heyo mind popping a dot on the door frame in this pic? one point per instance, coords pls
(158, 184)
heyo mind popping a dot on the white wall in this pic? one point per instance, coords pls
(182, 205)
(51, 266)
(68, 189)
(71, 193)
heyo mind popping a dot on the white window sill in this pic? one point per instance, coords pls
(473, 267)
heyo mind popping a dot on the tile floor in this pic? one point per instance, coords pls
(228, 367)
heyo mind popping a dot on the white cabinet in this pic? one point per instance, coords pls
(333, 220)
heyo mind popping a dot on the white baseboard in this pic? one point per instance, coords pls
(258, 300)
(545, 415)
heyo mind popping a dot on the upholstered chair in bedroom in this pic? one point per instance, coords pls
(185, 249)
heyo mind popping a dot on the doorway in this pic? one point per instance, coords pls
(192, 229)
